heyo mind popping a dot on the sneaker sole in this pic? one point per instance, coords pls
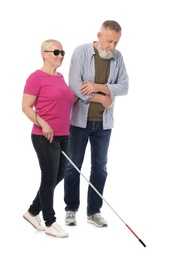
(61, 236)
(71, 224)
(92, 222)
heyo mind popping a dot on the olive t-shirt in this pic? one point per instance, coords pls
(102, 67)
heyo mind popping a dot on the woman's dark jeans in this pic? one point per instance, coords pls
(53, 165)
(99, 142)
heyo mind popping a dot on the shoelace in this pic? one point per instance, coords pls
(70, 214)
(38, 220)
(58, 228)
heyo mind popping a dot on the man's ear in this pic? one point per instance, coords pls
(98, 34)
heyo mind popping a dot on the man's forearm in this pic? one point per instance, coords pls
(90, 87)
(105, 100)
(104, 89)
(96, 98)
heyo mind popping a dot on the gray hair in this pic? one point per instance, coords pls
(112, 25)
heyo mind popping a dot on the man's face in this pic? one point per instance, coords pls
(107, 42)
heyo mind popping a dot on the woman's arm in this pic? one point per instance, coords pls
(27, 107)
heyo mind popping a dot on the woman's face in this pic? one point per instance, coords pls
(54, 55)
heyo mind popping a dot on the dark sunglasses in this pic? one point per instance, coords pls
(57, 52)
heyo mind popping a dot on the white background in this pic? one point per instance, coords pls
(140, 184)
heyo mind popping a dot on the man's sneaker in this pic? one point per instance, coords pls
(70, 219)
(56, 231)
(35, 221)
(97, 220)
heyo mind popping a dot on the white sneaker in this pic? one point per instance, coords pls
(55, 230)
(35, 221)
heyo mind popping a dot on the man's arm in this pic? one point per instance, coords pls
(105, 100)
(90, 87)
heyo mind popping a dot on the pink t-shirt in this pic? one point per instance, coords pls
(53, 103)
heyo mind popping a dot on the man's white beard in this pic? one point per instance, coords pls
(104, 54)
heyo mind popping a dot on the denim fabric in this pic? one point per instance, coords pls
(53, 165)
(99, 143)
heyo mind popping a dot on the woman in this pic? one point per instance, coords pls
(47, 102)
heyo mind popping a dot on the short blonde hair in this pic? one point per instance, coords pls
(46, 44)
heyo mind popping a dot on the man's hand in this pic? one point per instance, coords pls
(106, 101)
(88, 88)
